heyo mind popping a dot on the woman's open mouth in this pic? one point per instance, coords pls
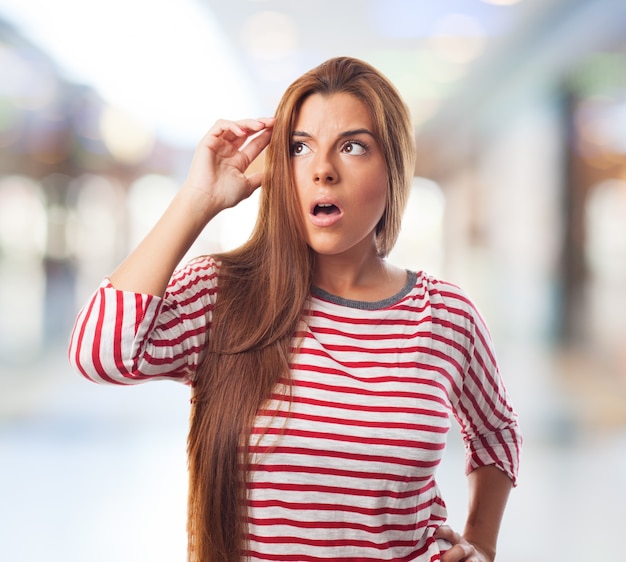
(325, 214)
(325, 209)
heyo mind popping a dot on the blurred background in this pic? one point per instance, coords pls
(519, 196)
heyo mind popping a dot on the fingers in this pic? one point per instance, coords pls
(256, 144)
(239, 142)
(234, 131)
(461, 550)
(254, 181)
(445, 532)
(461, 553)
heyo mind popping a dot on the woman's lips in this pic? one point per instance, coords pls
(325, 214)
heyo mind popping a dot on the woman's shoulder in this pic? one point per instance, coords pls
(443, 294)
(201, 270)
(199, 265)
(434, 285)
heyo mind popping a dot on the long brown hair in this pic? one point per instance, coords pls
(262, 291)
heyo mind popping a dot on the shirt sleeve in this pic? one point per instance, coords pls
(121, 337)
(489, 424)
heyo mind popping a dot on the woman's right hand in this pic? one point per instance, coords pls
(217, 178)
(215, 182)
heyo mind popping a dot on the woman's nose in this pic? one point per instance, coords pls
(324, 171)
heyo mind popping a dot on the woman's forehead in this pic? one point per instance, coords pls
(337, 113)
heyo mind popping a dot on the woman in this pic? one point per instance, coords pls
(323, 377)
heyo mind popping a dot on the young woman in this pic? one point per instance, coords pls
(323, 378)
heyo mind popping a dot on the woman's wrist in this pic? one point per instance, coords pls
(194, 209)
(488, 553)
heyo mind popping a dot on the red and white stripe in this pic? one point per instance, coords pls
(346, 469)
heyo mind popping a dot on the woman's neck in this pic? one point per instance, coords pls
(369, 278)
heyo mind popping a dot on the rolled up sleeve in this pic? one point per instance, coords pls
(121, 337)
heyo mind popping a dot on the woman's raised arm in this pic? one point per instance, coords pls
(216, 181)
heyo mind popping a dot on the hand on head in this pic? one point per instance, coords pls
(217, 173)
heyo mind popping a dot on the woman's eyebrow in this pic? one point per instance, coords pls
(344, 134)
(354, 132)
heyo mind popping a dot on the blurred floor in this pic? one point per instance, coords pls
(98, 474)
(88, 472)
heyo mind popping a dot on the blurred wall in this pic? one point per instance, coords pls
(531, 156)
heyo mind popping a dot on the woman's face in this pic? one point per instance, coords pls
(339, 173)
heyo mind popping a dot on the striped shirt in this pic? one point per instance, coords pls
(346, 470)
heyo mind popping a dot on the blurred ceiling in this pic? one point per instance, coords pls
(446, 56)
(426, 47)
(180, 64)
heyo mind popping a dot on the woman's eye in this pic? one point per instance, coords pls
(298, 148)
(354, 147)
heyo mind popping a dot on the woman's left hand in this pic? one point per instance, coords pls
(461, 550)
